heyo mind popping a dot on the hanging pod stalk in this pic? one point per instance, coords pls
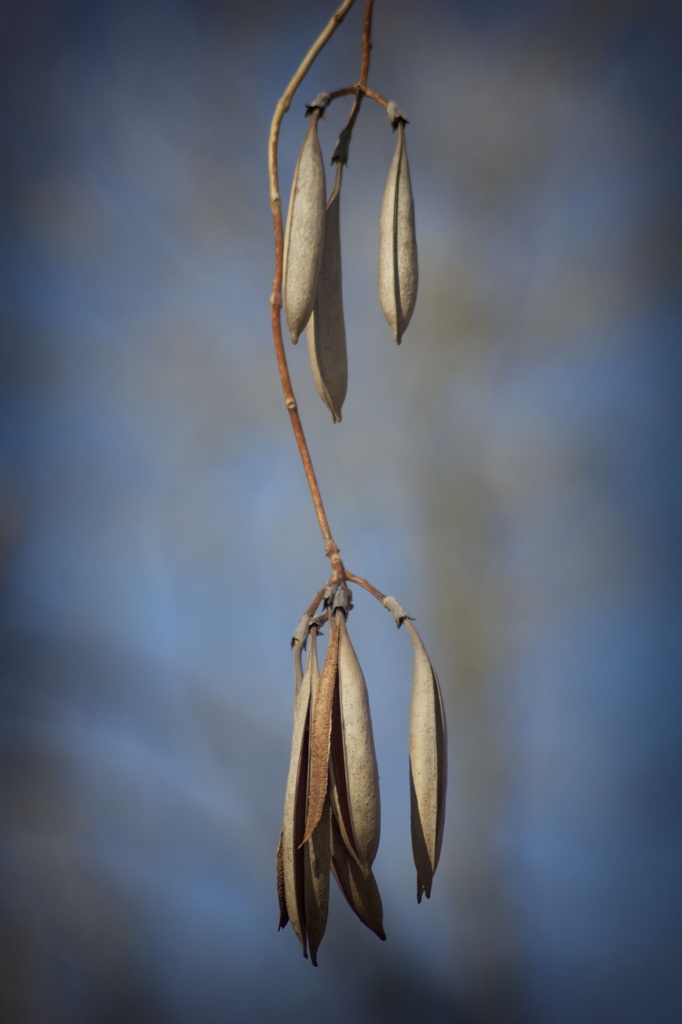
(326, 327)
(304, 235)
(316, 865)
(398, 269)
(428, 766)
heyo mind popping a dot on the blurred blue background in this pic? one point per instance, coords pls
(510, 474)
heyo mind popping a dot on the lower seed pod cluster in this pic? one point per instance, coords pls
(332, 810)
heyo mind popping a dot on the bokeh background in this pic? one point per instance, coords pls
(511, 474)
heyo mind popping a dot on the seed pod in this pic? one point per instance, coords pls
(428, 766)
(283, 912)
(320, 735)
(304, 236)
(355, 794)
(398, 270)
(326, 328)
(316, 864)
(292, 860)
(360, 890)
(317, 851)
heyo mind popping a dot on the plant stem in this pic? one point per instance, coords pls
(315, 603)
(372, 95)
(367, 586)
(330, 546)
(366, 42)
(360, 90)
(364, 70)
(348, 90)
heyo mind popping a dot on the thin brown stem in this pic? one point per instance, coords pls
(331, 548)
(377, 97)
(341, 152)
(366, 42)
(364, 70)
(315, 603)
(367, 586)
(348, 90)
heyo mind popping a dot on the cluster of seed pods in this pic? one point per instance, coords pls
(332, 809)
(312, 278)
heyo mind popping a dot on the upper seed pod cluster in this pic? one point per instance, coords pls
(332, 811)
(312, 278)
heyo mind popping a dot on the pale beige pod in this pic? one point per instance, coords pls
(361, 891)
(326, 328)
(398, 269)
(428, 766)
(355, 792)
(317, 850)
(304, 235)
(291, 859)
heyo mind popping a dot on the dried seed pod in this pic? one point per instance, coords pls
(398, 270)
(292, 859)
(355, 794)
(428, 766)
(326, 328)
(317, 851)
(360, 890)
(320, 735)
(304, 236)
(283, 912)
(316, 864)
